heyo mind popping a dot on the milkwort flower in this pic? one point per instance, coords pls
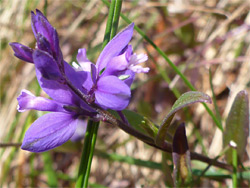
(67, 109)
(106, 84)
(110, 79)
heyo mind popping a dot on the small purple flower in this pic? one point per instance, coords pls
(53, 129)
(67, 109)
(114, 71)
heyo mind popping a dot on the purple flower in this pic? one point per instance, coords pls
(113, 73)
(107, 84)
(67, 109)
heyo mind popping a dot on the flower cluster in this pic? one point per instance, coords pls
(106, 83)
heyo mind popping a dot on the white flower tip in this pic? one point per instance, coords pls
(232, 144)
(142, 58)
(139, 69)
(137, 59)
(146, 70)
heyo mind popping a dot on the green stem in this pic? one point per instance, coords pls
(87, 154)
(171, 64)
(234, 158)
(109, 24)
(92, 129)
(118, 7)
(214, 97)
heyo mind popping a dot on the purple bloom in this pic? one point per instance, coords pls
(114, 71)
(68, 109)
(107, 84)
(53, 129)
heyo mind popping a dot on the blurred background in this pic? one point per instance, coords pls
(208, 40)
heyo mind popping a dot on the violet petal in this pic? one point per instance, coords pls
(43, 44)
(115, 65)
(49, 131)
(28, 101)
(22, 52)
(47, 66)
(52, 82)
(83, 61)
(114, 47)
(93, 73)
(58, 91)
(78, 78)
(80, 130)
(131, 78)
(112, 93)
(40, 24)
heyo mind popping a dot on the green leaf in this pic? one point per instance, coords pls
(138, 122)
(184, 100)
(181, 158)
(237, 125)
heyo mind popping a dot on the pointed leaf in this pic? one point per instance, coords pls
(183, 101)
(237, 125)
(181, 158)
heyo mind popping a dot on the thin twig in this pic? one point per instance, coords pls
(4, 145)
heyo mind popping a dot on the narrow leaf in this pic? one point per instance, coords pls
(237, 125)
(184, 100)
(181, 158)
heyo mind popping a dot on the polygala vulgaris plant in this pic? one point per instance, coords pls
(105, 84)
